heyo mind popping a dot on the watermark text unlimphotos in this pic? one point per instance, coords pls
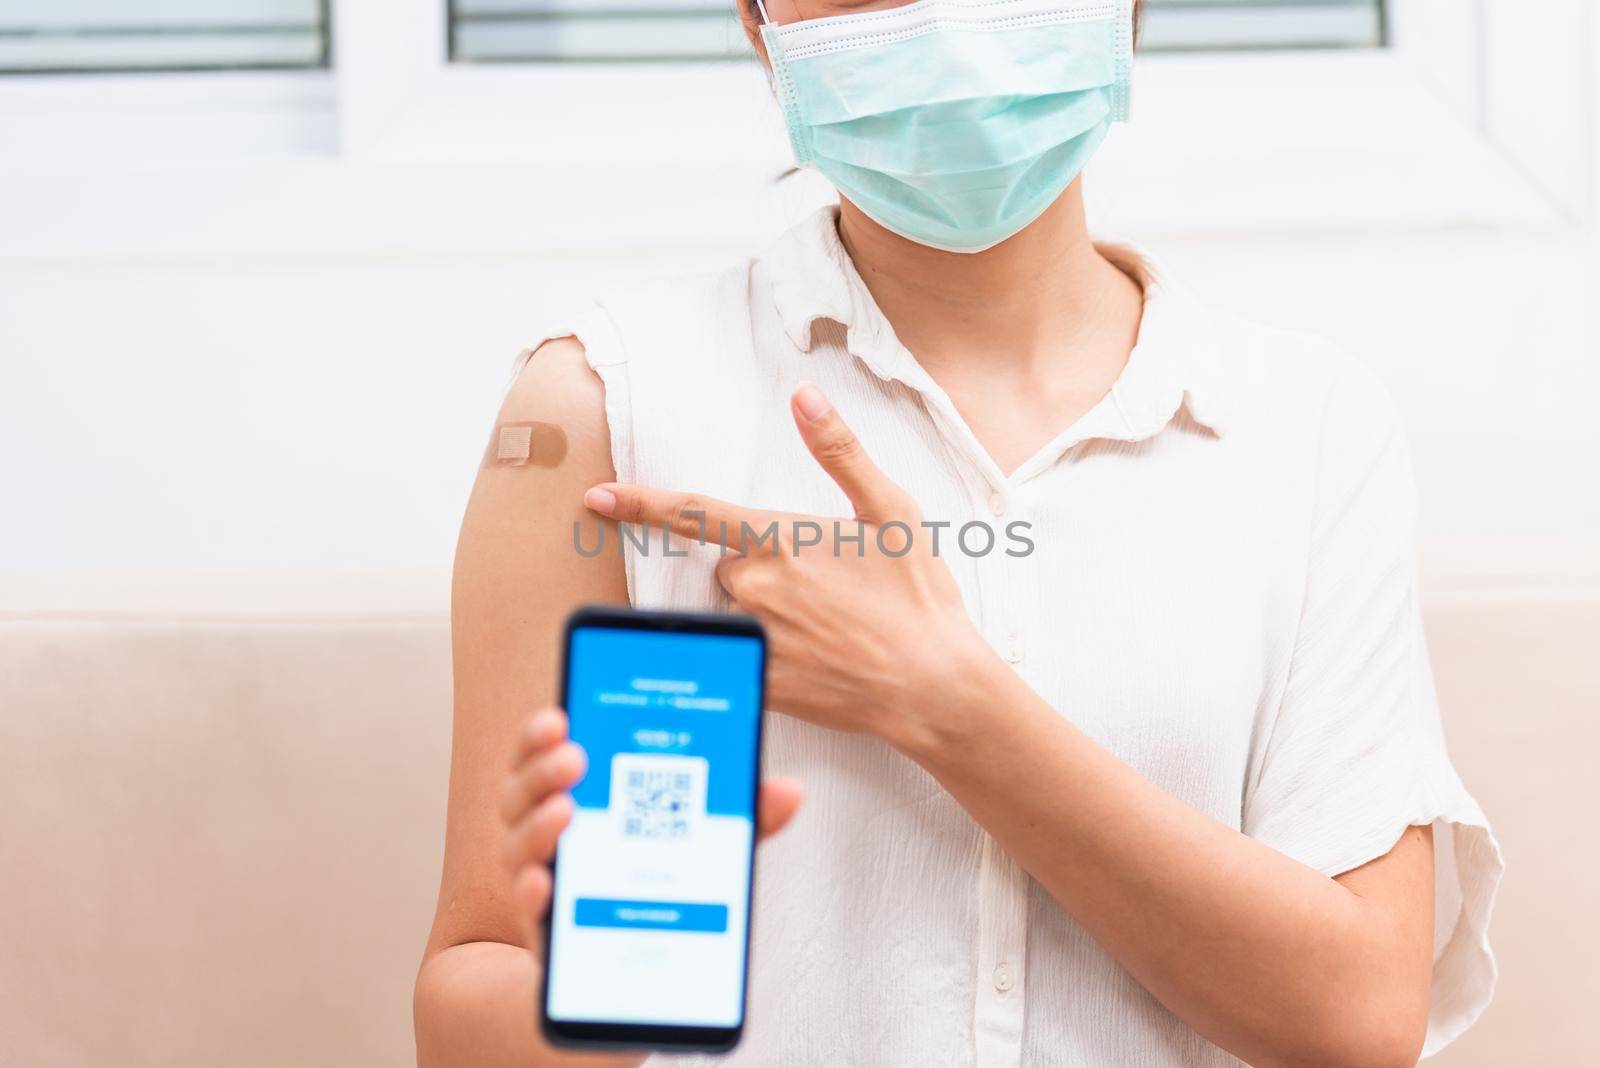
(837, 537)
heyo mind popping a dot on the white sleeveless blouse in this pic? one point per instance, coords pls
(1222, 594)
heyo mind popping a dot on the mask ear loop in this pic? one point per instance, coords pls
(783, 86)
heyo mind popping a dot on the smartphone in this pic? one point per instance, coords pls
(647, 941)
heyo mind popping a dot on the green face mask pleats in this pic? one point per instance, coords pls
(954, 123)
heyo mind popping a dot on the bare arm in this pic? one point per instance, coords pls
(517, 576)
(1264, 956)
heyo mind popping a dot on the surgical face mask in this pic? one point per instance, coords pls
(954, 123)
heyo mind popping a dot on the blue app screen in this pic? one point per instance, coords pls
(650, 907)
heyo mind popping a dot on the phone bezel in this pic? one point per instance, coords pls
(599, 1034)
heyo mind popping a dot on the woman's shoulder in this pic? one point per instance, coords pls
(553, 384)
(665, 318)
(644, 368)
(1311, 379)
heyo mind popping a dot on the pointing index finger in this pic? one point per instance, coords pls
(688, 515)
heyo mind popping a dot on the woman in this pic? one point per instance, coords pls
(1156, 778)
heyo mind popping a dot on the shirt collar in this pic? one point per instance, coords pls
(1173, 366)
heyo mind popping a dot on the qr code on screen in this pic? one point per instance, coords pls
(657, 803)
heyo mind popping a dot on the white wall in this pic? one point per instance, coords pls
(177, 413)
(221, 357)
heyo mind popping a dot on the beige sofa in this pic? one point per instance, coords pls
(220, 836)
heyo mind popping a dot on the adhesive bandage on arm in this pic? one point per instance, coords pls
(526, 445)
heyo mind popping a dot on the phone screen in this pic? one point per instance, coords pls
(648, 929)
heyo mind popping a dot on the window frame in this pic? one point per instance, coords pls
(167, 116)
(158, 114)
(324, 60)
(1372, 14)
(1419, 132)
(398, 149)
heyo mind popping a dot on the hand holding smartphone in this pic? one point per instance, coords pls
(648, 935)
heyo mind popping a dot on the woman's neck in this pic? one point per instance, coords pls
(1031, 306)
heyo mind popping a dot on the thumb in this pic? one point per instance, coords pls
(836, 448)
(776, 805)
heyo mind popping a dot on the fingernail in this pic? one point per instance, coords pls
(812, 404)
(600, 500)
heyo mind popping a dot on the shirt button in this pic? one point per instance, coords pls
(1003, 979)
(1014, 648)
(997, 503)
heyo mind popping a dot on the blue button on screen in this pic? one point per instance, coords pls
(650, 915)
